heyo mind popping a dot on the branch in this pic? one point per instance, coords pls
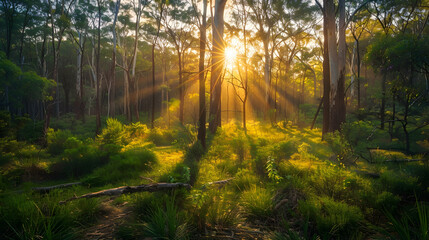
(131, 189)
(356, 11)
(319, 5)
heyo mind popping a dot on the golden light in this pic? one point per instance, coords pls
(230, 57)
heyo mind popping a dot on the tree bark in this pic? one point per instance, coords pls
(201, 78)
(217, 67)
(113, 67)
(326, 73)
(131, 189)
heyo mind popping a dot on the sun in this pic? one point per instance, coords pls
(230, 56)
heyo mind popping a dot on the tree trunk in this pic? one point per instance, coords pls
(181, 87)
(201, 78)
(333, 66)
(113, 67)
(217, 67)
(383, 100)
(326, 72)
(97, 100)
(341, 106)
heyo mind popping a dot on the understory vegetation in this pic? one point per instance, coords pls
(281, 182)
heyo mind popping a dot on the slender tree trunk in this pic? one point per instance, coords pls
(113, 67)
(201, 78)
(358, 73)
(217, 67)
(153, 87)
(181, 87)
(383, 101)
(326, 72)
(97, 100)
(333, 66)
(341, 106)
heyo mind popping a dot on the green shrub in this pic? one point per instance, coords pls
(161, 137)
(23, 218)
(387, 201)
(128, 165)
(88, 210)
(257, 203)
(399, 183)
(244, 179)
(166, 222)
(332, 218)
(285, 149)
(57, 141)
(240, 147)
(180, 173)
(409, 225)
(213, 208)
(113, 133)
(80, 159)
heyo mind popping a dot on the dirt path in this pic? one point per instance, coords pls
(112, 216)
(115, 215)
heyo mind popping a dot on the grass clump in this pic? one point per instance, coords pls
(165, 221)
(26, 218)
(127, 165)
(332, 218)
(257, 203)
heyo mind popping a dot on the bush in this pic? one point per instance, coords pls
(285, 149)
(78, 159)
(113, 133)
(332, 218)
(127, 165)
(244, 179)
(22, 218)
(399, 183)
(166, 222)
(257, 203)
(57, 141)
(213, 208)
(161, 137)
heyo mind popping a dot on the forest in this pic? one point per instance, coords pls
(214, 119)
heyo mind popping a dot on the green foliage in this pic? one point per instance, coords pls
(57, 141)
(257, 203)
(245, 179)
(88, 210)
(79, 158)
(332, 218)
(161, 137)
(114, 133)
(341, 148)
(128, 165)
(25, 218)
(272, 172)
(180, 173)
(399, 183)
(285, 149)
(414, 225)
(213, 208)
(166, 222)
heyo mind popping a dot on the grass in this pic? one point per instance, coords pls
(285, 179)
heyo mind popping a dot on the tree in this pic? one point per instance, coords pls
(178, 24)
(218, 50)
(202, 25)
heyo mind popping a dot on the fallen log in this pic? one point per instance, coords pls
(221, 181)
(406, 160)
(48, 189)
(130, 189)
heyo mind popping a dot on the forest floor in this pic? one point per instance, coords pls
(276, 182)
